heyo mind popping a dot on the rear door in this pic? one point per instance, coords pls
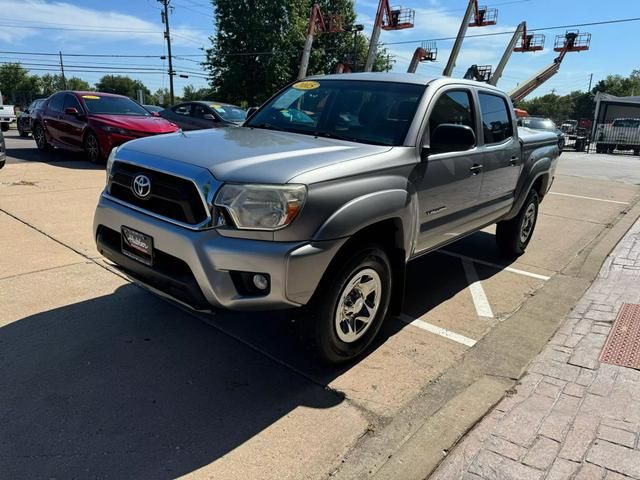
(501, 151)
(52, 118)
(448, 183)
(181, 114)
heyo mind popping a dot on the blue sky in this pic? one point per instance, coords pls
(133, 27)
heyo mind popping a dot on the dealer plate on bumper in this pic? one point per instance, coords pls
(137, 245)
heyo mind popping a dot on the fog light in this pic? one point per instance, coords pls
(260, 281)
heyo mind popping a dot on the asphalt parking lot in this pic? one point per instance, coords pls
(99, 376)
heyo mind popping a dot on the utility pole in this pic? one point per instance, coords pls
(451, 63)
(167, 34)
(64, 80)
(590, 80)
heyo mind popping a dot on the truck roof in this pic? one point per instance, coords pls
(412, 78)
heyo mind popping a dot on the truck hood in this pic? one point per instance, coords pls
(243, 154)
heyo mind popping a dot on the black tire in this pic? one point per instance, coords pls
(636, 152)
(338, 288)
(513, 236)
(599, 148)
(4, 127)
(21, 132)
(92, 148)
(41, 138)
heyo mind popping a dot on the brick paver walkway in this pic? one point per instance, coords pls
(570, 417)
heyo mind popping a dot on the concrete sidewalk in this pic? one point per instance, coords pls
(570, 416)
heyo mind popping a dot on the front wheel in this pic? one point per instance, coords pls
(513, 236)
(351, 304)
(92, 148)
(21, 132)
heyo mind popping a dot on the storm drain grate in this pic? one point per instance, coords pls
(623, 345)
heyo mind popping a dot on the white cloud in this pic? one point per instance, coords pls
(60, 21)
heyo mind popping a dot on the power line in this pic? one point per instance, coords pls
(511, 32)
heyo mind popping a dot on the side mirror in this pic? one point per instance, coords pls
(251, 111)
(71, 111)
(449, 137)
(209, 116)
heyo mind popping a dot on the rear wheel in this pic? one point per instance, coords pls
(348, 310)
(4, 127)
(92, 148)
(513, 236)
(40, 137)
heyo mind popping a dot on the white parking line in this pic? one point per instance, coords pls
(495, 265)
(480, 301)
(456, 337)
(589, 198)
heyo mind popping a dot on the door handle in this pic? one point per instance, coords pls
(475, 169)
(514, 161)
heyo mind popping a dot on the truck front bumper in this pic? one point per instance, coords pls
(201, 268)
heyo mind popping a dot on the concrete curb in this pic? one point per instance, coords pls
(414, 442)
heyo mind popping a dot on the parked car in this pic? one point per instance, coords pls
(153, 108)
(25, 119)
(7, 116)
(621, 134)
(321, 198)
(543, 123)
(93, 122)
(3, 151)
(203, 114)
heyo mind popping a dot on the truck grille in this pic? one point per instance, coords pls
(172, 197)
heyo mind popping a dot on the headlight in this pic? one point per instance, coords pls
(261, 207)
(118, 130)
(110, 160)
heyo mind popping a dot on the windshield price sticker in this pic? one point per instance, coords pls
(308, 85)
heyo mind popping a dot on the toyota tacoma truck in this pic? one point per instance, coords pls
(318, 201)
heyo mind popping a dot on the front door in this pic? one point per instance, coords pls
(72, 126)
(448, 183)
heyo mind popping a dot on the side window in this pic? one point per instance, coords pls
(453, 106)
(199, 111)
(184, 109)
(72, 101)
(56, 103)
(496, 121)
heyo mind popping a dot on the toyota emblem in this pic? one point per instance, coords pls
(141, 186)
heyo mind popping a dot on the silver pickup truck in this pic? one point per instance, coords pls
(321, 198)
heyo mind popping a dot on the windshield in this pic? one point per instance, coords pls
(113, 105)
(230, 113)
(368, 112)
(627, 123)
(540, 124)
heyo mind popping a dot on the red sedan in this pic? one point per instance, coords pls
(93, 122)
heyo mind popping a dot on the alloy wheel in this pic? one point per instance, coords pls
(358, 304)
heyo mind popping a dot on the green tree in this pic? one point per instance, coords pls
(121, 85)
(16, 85)
(190, 93)
(53, 83)
(332, 48)
(258, 44)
